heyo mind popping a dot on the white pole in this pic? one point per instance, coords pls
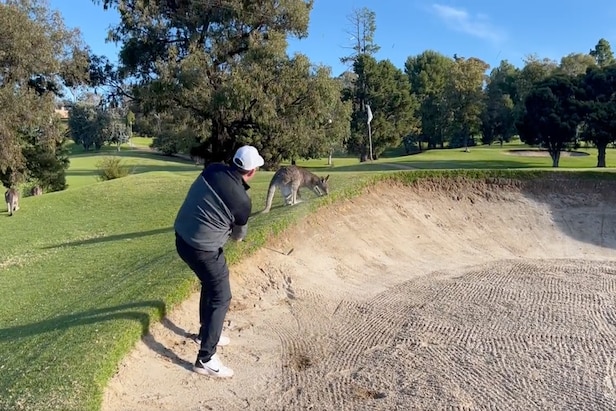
(370, 140)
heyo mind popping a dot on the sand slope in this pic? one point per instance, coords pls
(443, 295)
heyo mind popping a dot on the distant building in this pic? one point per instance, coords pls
(62, 112)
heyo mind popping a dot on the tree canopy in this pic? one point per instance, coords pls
(40, 57)
(221, 69)
(551, 117)
(597, 108)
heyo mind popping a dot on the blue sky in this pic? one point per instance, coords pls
(486, 29)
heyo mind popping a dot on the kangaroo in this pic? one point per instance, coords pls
(11, 196)
(290, 179)
(37, 191)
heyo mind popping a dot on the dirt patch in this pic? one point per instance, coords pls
(545, 153)
(448, 294)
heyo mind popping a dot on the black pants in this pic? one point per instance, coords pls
(211, 269)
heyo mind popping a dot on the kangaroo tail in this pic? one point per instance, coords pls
(270, 197)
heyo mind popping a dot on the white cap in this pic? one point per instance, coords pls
(248, 158)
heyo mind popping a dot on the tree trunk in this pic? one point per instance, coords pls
(555, 154)
(329, 157)
(363, 154)
(601, 154)
(222, 146)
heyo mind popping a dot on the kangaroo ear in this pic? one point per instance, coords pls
(326, 178)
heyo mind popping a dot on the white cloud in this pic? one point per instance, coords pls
(460, 20)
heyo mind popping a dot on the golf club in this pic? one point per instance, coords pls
(280, 252)
(277, 251)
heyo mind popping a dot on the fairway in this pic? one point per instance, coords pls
(440, 294)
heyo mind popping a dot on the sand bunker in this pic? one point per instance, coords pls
(545, 153)
(438, 296)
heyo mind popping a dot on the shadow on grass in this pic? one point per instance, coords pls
(261, 207)
(115, 237)
(136, 153)
(129, 311)
(146, 168)
(413, 165)
(98, 315)
(137, 169)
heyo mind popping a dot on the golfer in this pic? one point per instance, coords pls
(216, 207)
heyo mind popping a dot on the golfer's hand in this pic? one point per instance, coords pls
(238, 232)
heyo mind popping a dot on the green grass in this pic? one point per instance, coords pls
(83, 169)
(86, 270)
(141, 142)
(477, 158)
(137, 142)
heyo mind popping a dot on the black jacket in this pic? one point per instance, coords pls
(216, 207)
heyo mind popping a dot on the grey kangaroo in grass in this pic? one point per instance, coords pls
(290, 179)
(11, 196)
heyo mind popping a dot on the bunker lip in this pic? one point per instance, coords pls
(438, 294)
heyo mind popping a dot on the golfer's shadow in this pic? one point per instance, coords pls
(274, 207)
(160, 349)
(133, 311)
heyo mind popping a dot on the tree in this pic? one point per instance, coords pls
(551, 116)
(464, 94)
(39, 58)
(305, 108)
(336, 127)
(498, 117)
(223, 64)
(46, 167)
(93, 126)
(115, 127)
(356, 95)
(363, 27)
(130, 121)
(597, 106)
(602, 53)
(85, 126)
(428, 73)
(534, 71)
(575, 64)
(393, 107)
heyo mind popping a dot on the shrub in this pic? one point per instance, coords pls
(110, 168)
(26, 189)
